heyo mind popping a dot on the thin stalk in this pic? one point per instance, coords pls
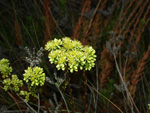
(63, 98)
(92, 95)
(70, 90)
(15, 101)
(13, 111)
(104, 97)
(35, 34)
(85, 90)
(125, 68)
(27, 104)
(38, 103)
(12, 106)
(126, 102)
(124, 84)
(97, 85)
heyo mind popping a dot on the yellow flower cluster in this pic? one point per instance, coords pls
(70, 52)
(35, 75)
(10, 83)
(5, 69)
(15, 82)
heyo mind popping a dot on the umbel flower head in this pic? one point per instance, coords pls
(35, 75)
(15, 82)
(5, 69)
(65, 51)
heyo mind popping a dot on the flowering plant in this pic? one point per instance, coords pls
(70, 52)
(10, 82)
(35, 75)
(15, 82)
(5, 69)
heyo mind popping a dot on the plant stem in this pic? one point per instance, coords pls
(125, 68)
(63, 98)
(104, 97)
(15, 101)
(126, 89)
(38, 103)
(85, 90)
(27, 104)
(97, 85)
(70, 90)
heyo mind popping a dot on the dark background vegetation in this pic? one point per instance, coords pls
(32, 23)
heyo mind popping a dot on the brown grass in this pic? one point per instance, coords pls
(136, 76)
(49, 24)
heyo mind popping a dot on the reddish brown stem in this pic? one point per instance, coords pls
(85, 90)
(70, 90)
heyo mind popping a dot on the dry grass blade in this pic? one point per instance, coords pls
(104, 97)
(13, 99)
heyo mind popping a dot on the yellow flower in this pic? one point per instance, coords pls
(71, 52)
(35, 75)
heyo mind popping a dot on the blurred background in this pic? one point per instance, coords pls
(31, 23)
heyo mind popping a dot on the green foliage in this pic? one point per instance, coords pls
(109, 89)
(72, 53)
(143, 21)
(62, 5)
(13, 83)
(149, 106)
(35, 75)
(32, 91)
(26, 94)
(5, 69)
